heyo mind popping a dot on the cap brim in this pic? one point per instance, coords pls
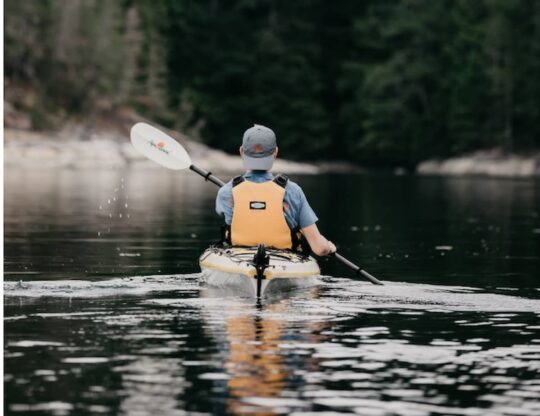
(258, 163)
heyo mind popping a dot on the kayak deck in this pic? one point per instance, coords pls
(233, 266)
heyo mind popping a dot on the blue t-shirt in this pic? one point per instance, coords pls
(296, 208)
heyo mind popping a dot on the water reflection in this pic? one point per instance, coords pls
(258, 370)
(72, 224)
(338, 347)
(104, 316)
(152, 384)
(79, 223)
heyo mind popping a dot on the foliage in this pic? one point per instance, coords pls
(377, 81)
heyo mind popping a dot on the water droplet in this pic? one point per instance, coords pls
(108, 201)
(125, 205)
(99, 234)
(120, 215)
(100, 207)
(444, 248)
(114, 199)
(110, 215)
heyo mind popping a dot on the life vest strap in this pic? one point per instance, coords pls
(281, 180)
(299, 242)
(238, 180)
(225, 234)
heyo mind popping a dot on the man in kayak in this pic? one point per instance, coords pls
(261, 208)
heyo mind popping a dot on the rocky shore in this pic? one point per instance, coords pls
(79, 147)
(492, 163)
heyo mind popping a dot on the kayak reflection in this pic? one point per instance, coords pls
(259, 370)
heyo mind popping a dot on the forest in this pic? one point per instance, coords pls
(374, 82)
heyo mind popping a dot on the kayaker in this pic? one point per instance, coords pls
(260, 208)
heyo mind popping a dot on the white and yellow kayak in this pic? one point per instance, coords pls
(237, 267)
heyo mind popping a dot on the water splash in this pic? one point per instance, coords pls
(339, 296)
(128, 286)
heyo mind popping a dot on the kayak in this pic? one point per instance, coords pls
(256, 270)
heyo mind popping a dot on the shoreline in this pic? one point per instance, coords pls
(484, 163)
(77, 147)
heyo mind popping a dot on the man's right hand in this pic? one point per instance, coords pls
(331, 248)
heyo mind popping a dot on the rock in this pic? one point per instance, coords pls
(483, 163)
(79, 147)
(129, 153)
(99, 153)
(287, 166)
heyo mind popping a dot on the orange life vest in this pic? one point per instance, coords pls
(258, 216)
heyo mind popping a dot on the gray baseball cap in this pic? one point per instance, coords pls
(259, 144)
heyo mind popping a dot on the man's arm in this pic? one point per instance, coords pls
(318, 243)
(305, 218)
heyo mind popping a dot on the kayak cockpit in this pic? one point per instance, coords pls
(252, 269)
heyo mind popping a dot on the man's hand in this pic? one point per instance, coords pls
(331, 247)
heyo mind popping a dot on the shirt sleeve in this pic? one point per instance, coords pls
(306, 216)
(302, 214)
(225, 203)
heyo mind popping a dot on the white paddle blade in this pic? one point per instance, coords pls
(159, 147)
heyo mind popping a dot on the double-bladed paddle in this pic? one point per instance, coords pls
(164, 150)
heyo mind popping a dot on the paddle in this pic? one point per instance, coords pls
(164, 150)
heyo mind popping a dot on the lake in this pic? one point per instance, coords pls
(104, 312)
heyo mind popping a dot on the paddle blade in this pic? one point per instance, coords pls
(159, 147)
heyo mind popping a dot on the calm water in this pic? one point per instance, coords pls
(104, 312)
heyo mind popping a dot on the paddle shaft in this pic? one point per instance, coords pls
(207, 175)
(357, 269)
(215, 180)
